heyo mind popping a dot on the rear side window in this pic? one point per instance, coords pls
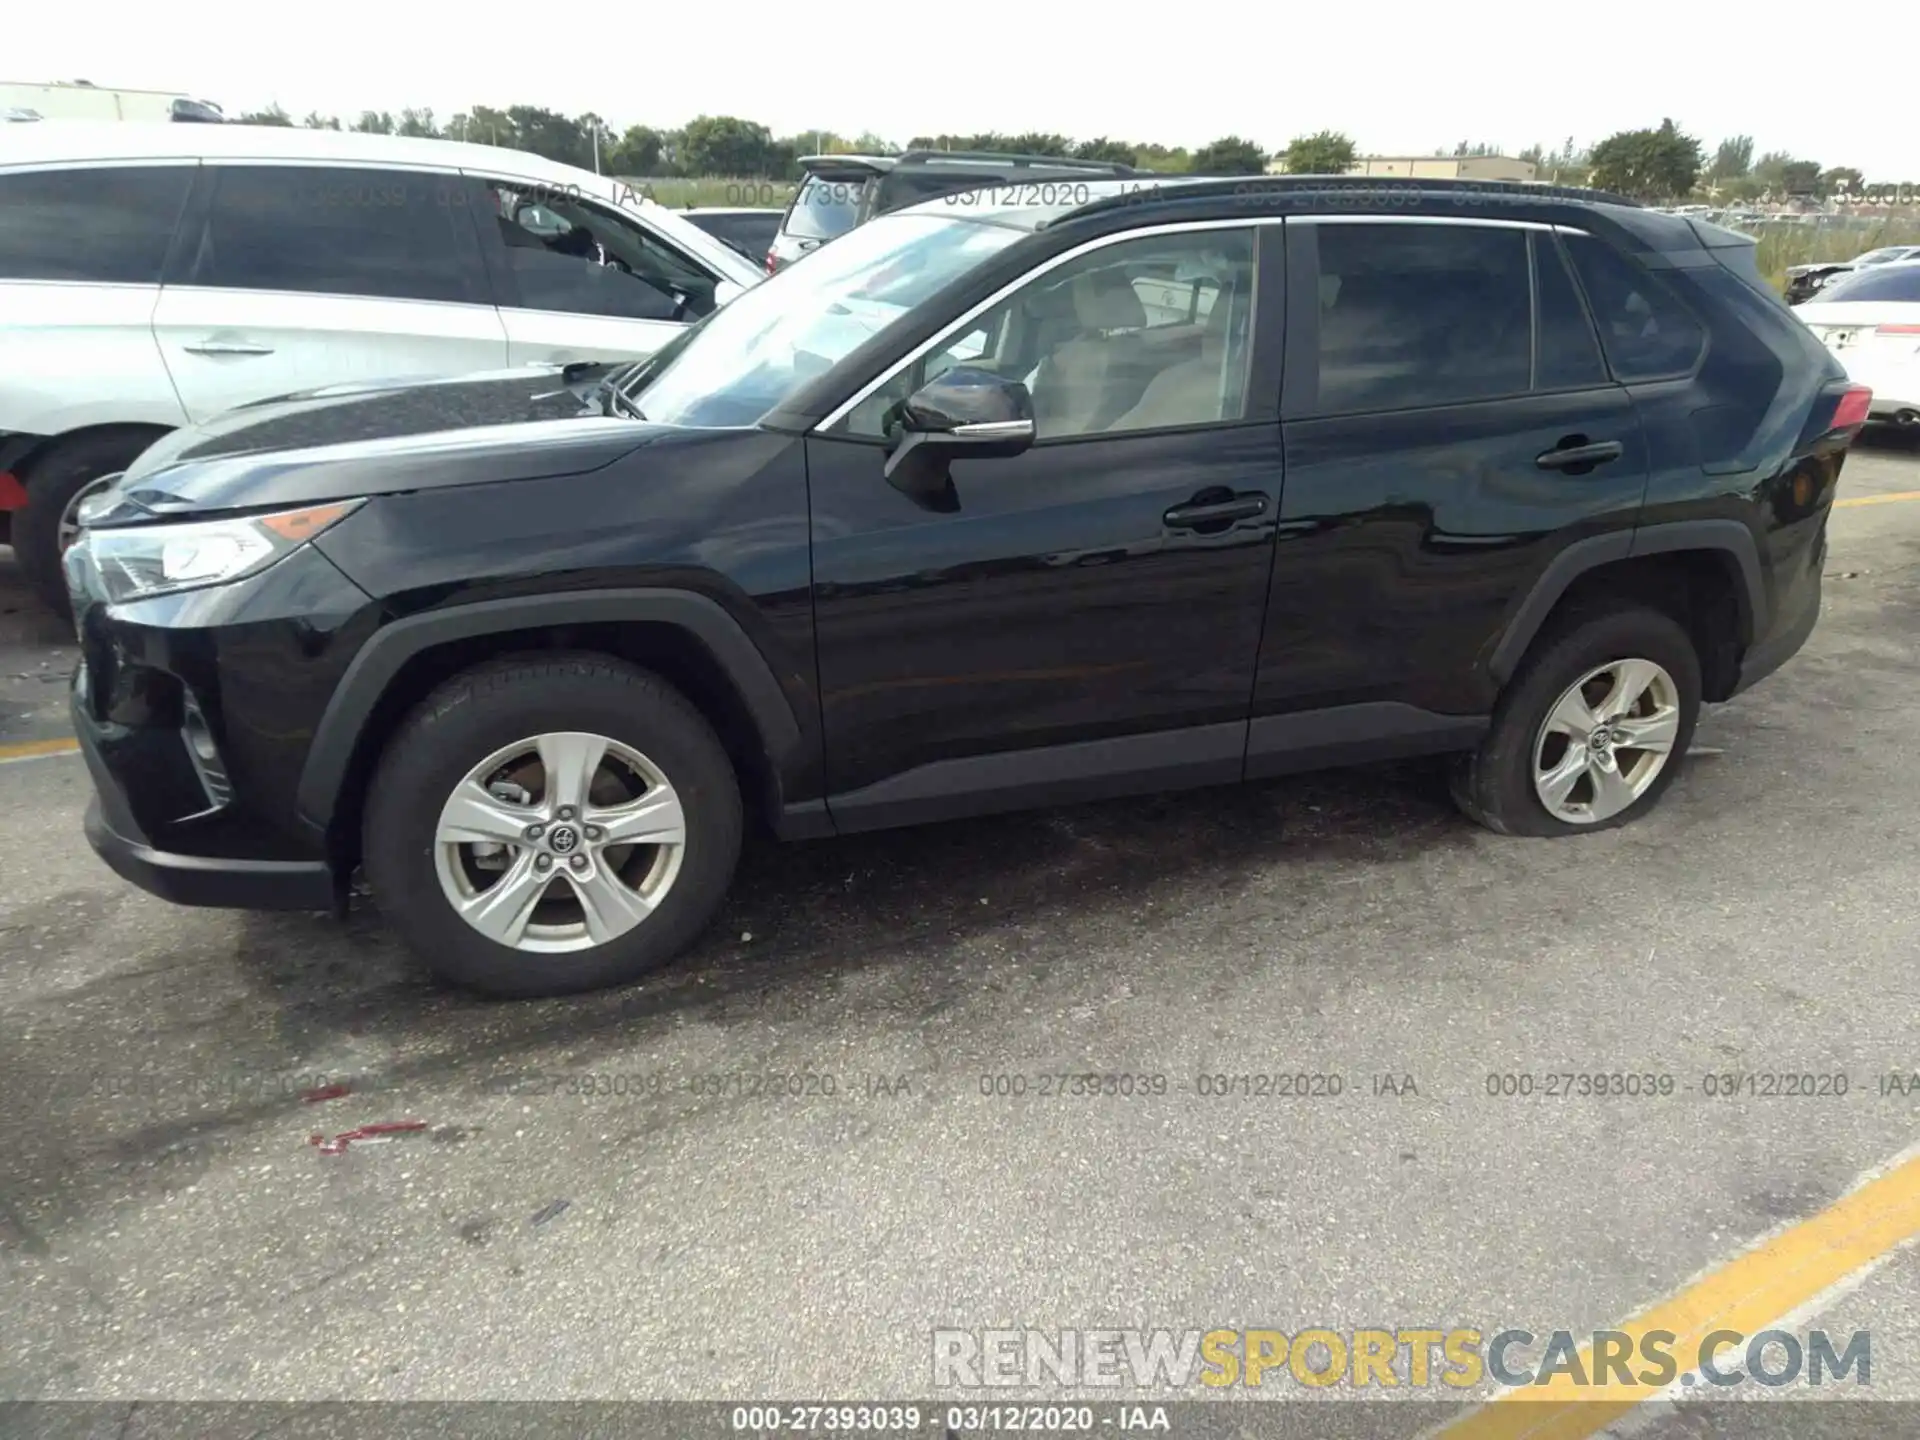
(825, 209)
(1902, 283)
(388, 234)
(1647, 332)
(1567, 356)
(1413, 315)
(108, 224)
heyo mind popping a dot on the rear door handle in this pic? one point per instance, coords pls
(228, 347)
(1574, 453)
(1215, 512)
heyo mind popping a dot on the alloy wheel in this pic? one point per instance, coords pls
(559, 842)
(1606, 740)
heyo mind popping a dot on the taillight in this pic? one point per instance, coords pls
(1852, 409)
(771, 267)
(1896, 329)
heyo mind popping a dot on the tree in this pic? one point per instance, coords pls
(725, 145)
(1648, 164)
(374, 122)
(1784, 174)
(1842, 180)
(1113, 152)
(1229, 155)
(272, 115)
(636, 153)
(1733, 159)
(316, 121)
(1326, 153)
(418, 123)
(1476, 148)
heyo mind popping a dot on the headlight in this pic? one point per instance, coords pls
(135, 561)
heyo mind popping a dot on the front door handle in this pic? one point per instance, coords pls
(1576, 455)
(228, 347)
(1197, 512)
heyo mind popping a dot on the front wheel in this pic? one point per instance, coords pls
(56, 484)
(1591, 731)
(550, 825)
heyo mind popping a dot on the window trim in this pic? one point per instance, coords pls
(954, 328)
(1606, 356)
(1310, 359)
(1565, 261)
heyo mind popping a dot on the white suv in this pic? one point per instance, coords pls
(152, 276)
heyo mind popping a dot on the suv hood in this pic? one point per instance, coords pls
(378, 438)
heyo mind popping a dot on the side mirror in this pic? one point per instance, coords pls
(964, 412)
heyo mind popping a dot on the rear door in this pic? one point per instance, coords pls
(81, 252)
(1446, 435)
(286, 276)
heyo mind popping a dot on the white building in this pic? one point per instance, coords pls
(81, 101)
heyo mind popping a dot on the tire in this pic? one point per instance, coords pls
(52, 482)
(470, 721)
(1495, 784)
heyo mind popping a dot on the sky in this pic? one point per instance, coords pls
(1398, 78)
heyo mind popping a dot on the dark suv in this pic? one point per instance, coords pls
(987, 505)
(842, 191)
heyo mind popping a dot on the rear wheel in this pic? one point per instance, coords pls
(550, 825)
(1591, 731)
(56, 483)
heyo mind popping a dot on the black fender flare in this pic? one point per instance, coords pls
(337, 737)
(1728, 537)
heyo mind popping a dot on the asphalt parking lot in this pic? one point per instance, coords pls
(602, 1206)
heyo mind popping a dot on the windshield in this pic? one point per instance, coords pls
(1880, 283)
(825, 208)
(1880, 257)
(747, 357)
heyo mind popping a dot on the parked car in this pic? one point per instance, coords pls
(747, 229)
(979, 508)
(842, 191)
(153, 275)
(1870, 319)
(1805, 281)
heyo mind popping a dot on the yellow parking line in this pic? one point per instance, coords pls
(1749, 1293)
(1877, 499)
(37, 750)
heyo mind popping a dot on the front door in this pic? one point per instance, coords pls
(289, 276)
(1450, 427)
(1085, 617)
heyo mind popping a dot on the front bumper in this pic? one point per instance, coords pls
(197, 880)
(194, 712)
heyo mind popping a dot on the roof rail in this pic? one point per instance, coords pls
(1278, 186)
(991, 157)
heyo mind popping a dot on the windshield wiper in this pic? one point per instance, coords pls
(614, 400)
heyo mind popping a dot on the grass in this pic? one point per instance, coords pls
(679, 194)
(1790, 243)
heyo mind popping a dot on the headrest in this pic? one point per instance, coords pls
(1106, 300)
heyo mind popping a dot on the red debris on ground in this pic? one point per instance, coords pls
(364, 1132)
(324, 1092)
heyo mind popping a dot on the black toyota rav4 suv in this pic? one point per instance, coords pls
(985, 506)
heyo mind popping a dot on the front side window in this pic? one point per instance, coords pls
(107, 224)
(1413, 315)
(746, 358)
(564, 253)
(1646, 331)
(1146, 334)
(387, 234)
